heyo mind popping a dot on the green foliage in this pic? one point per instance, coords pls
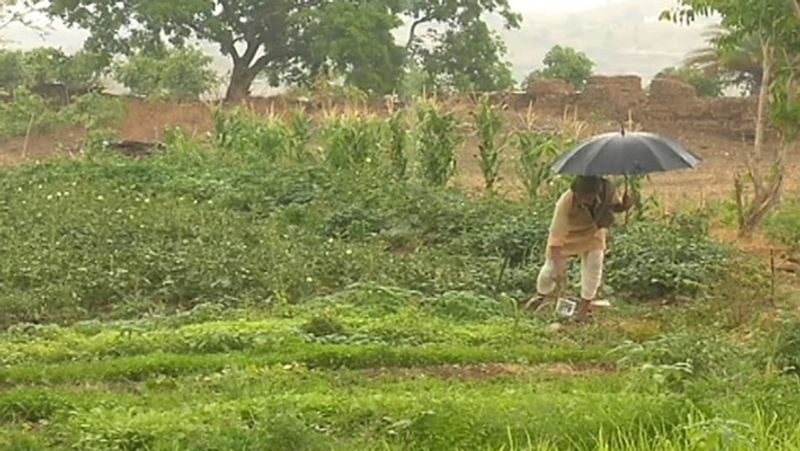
(665, 259)
(469, 59)
(12, 70)
(786, 353)
(466, 307)
(48, 66)
(538, 150)
(175, 74)
(353, 141)
(363, 49)
(30, 406)
(398, 145)
(297, 40)
(32, 111)
(674, 360)
(27, 111)
(94, 110)
(242, 132)
(489, 125)
(437, 140)
(323, 326)
(784, 223)
(706, 84)
(565, 63)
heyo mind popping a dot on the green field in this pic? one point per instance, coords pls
(249, 292)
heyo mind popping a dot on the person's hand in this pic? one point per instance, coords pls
(560, 267)
(627, 201)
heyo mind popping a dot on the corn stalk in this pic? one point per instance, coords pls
(489, 125)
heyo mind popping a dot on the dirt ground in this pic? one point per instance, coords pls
(722, 152)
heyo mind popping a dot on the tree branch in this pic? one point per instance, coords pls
(796, 7)
(412, 33)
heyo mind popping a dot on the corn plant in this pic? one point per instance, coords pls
(244, 133)
(352, 141)
(437, 141)
(537, 152)
(301, 128)
(489, 125)
(398, 143)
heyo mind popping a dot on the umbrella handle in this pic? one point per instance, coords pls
(627, 184)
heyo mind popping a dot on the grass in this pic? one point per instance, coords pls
(212, 297)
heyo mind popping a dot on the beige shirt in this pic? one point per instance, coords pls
(573, 228)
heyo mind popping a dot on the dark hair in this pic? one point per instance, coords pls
(585, 185)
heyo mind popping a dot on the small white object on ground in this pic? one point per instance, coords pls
(601, 304)
(566, 307)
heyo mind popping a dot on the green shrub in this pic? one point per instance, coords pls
(175, 74)
(27, 111)
(784, 223)
(787, 346)
(672, 258)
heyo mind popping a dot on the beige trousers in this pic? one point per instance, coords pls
(591, 275)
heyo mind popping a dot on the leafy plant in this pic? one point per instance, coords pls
(657, 259)
(538, 150)
(352, 142)
(565, 63)
(489, 124)
(398, 143)
(437, 140)
(176, 74)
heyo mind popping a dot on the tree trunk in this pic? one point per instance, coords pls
(765, 193)
(754, 157)
(242, 79)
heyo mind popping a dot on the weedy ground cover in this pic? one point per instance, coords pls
(296, 285)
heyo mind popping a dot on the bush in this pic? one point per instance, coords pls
(12, 70)
(27, 111)
(672, 258)
(706, 84)
(30, 110)
(784, 223)
(175, 74)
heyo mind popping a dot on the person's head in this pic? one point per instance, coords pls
(586, 188)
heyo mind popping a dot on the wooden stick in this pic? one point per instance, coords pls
(27, 137)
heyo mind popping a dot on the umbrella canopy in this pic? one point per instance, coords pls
(625, 154)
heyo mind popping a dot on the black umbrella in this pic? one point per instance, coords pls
(622, 153)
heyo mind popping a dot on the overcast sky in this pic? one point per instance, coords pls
(557, 6)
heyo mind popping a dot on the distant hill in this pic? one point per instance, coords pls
(624, 37)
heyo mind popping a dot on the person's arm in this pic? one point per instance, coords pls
(618, 204)
(559, 229)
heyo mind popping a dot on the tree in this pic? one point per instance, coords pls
(469, 60)
(285, 41)
(369, 58)
(12, 71)
(175, 74)
(776, 26)
(706, 83)
(738, 65)
(565, 63)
